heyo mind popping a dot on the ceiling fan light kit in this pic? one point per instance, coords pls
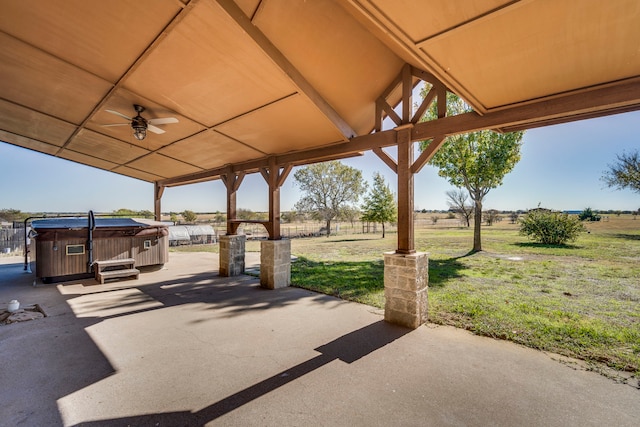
(140, 125)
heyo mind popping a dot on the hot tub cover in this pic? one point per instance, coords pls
(75, 223)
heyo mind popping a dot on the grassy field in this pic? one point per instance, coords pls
(580, 300)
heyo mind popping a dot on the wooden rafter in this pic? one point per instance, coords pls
(407, 80)
(234, 11)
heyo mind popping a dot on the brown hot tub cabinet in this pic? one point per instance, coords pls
(66, 249)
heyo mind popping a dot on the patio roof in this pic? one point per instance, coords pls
(251, 80)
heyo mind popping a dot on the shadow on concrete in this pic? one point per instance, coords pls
(65, 357)
(43, 359)
(225, 296)
(347, 348)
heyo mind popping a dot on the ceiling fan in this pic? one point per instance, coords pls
(140, 125)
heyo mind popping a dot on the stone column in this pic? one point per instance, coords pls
(406, 282)
(275, 263)
(232, 255)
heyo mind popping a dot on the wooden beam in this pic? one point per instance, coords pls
(234, 11)
(407, 93)
(427, 154)
(275, 177)
(426, 102)
(232, 181)
(291, 159)
(274, 200)
(286, 170)
(406, 243)
(158, 190)
(386, 159)
(383, 106)
(594, 102)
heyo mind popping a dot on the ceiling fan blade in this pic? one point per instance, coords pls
(162, 121)
(154, 129)
(118, 114)
(115, 124)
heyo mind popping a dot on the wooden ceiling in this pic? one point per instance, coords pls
(253, 79)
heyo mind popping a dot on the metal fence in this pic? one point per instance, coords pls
(12, 240)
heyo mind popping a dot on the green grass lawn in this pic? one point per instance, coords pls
(580, 300)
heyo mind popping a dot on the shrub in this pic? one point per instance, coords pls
(550, 228)
(589, 215)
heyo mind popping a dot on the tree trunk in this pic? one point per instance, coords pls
(328, 227)
(383, 230)
(477, 222)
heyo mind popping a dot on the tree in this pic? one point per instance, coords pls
(476, 161)
(351, 214)
(625, 173)
(458, 203)
(13, 215)
(132, 213)
(219, 218)
(589, 215)
(327, 189)
(380, 204)
(189, 216)
(491, 216)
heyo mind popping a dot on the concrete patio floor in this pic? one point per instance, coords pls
(184, 347)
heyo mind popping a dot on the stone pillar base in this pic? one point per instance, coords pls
(406, 282)
(232, 255)
(275, 263)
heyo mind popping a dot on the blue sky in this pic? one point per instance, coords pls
(560, 168)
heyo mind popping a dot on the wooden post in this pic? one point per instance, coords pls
(157, 197)
(232, 181)
(270, 174)
(275, 178)
(406, 243)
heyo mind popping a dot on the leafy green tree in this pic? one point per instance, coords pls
(551, 227)
(625, 173)
(173, 217)
(380, 204)
(189, 216)
(476, 161)
(327, 189)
